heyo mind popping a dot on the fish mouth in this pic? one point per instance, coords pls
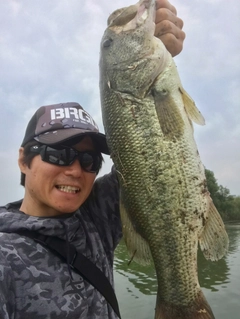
(130, 18)
(68, 189)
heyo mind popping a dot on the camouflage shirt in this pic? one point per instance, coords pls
(34, 282)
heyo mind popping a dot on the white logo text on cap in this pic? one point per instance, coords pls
(72, 112)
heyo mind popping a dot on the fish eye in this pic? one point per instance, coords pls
(107, 42)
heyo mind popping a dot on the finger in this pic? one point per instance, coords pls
(167, 5)
(167, 26)
(171, 36)
(164, 14)
(173, 45)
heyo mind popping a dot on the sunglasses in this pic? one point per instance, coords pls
(90, 161)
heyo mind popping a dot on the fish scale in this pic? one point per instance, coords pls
(165, 207)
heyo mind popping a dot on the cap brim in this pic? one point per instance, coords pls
(63, 135)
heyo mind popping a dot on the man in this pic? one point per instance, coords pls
(59, 159)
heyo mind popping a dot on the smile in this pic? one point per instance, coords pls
(68, 189)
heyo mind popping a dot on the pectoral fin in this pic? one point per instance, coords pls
(192, 111)
(168, 113)
(137, 246)
(214, 239)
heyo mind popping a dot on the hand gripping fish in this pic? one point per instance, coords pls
(166, 209)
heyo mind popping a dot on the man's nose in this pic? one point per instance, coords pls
(74, 169)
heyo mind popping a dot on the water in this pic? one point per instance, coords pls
(136, 285)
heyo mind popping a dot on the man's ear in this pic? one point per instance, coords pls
(21, 163)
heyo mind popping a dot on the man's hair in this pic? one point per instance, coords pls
(28, 156)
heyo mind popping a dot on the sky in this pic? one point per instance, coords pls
(49, 53)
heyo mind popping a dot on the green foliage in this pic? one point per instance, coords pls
(227, 204)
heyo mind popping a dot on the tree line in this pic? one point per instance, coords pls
(228, 205)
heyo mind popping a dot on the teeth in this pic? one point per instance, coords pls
(68, 189)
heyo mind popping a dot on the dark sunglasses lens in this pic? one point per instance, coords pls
(61, 157)
(89, 161)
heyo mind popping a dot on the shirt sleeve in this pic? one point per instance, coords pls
(7, 299)
(103, 204)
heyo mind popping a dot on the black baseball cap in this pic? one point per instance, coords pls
(58, 123)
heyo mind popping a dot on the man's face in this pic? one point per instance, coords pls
(52, 190)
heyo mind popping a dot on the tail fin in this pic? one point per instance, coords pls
(198, 309)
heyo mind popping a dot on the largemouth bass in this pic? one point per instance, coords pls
(166, 209)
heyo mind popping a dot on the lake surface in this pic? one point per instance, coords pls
(136, 285)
